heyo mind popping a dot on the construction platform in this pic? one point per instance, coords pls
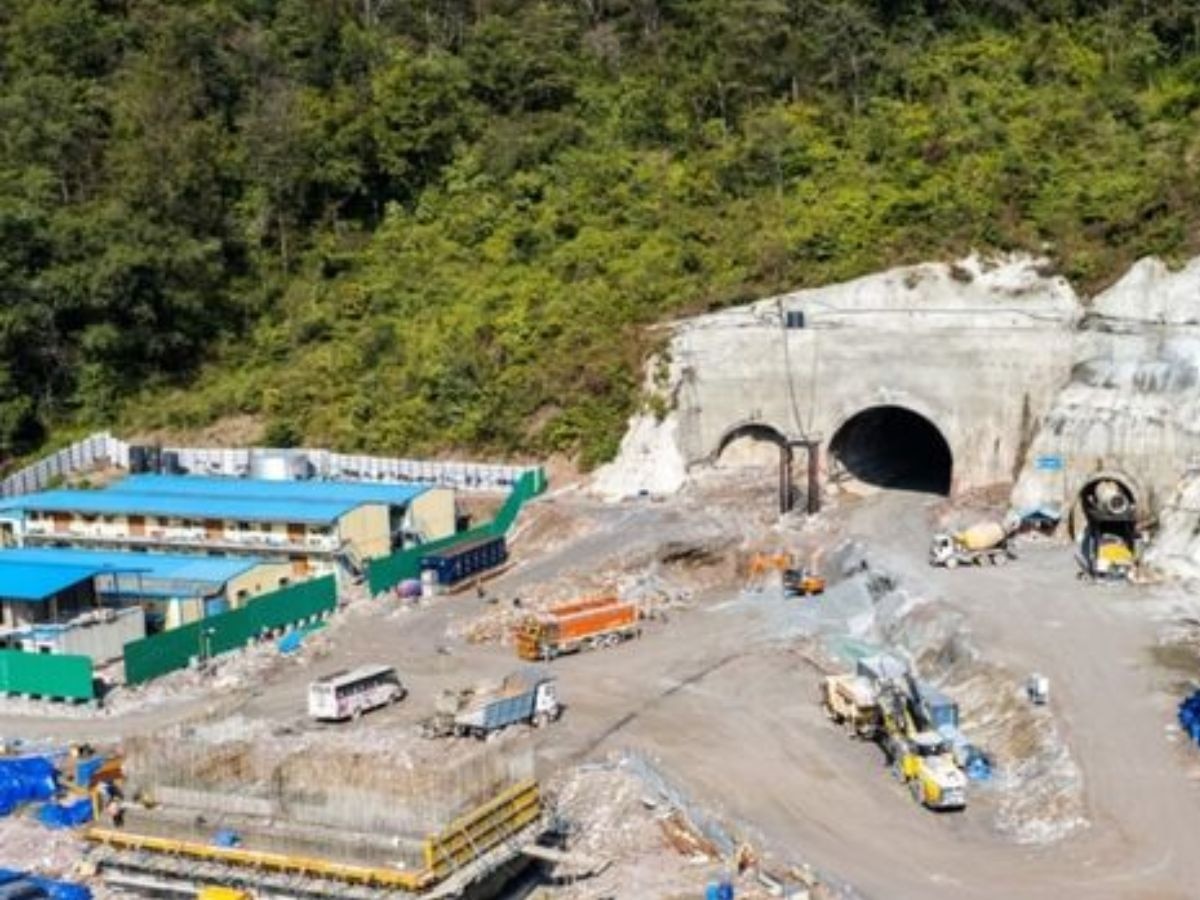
(475, 848)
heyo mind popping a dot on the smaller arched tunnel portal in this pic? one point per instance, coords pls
(751, 445)
(1107, 504)
(892, 447)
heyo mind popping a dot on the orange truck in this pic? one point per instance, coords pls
(579, 625)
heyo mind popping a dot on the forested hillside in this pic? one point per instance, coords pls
(418, 224)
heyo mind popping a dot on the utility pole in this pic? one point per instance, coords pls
(812, 449)
(785, 478)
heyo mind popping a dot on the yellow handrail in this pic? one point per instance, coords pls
(260, 859)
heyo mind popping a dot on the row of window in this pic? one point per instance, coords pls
(161, 522)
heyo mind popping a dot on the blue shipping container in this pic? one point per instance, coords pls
(457, 563)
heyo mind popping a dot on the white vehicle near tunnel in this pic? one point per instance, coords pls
(984, 542)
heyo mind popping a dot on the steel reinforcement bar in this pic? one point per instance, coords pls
(461, 843)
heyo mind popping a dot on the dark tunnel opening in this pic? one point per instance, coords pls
(893, 447)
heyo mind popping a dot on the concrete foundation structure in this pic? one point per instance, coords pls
(354, 803)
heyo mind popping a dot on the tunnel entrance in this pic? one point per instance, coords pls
(1104, 521)
(892, 447)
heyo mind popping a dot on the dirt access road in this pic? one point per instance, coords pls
(732, 714)
(806, 788)
(729, 710)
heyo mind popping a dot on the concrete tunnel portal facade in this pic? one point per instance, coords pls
(916, 380)
(888, 446)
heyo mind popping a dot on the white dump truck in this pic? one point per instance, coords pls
(984, 542)
(528, 696)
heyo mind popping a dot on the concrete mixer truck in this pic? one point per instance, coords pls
(983, 542)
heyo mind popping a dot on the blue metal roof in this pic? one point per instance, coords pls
(33, 582)
(113, 503)
(215, 570)
(262, 489)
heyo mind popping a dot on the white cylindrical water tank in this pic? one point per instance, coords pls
(279, 465)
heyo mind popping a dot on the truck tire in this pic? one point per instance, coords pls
(917, 791)
(541, 720)
(1000, 559)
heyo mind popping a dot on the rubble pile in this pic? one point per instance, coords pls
(658, 581)
(29, 847)
(648, 845)
(1038, 786)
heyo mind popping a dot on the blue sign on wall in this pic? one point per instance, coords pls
(1052, 463)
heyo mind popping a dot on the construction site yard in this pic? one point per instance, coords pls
(701, 747)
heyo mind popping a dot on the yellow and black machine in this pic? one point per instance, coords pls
(882, 703)
(920, 756)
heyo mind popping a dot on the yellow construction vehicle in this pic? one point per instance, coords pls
(223, 893)
(883, 702)
(922, 758)
(1111, 559)
(802, 582)
(798, 580)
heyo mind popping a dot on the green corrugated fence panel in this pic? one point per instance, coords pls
(291, 604)
(527, 487)
(154, 656)
(46, 675)
(388, 571)
(151, 657)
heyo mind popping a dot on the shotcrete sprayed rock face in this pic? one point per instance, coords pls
(893, 447)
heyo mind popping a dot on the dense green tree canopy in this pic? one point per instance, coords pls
(416, 224)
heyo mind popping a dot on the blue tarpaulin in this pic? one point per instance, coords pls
(55, 890)
(24, 780)
(86, 769)
(1189, 717)
(70, 815)
(979, 768)
(290, 642)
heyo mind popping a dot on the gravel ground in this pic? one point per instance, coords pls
(722, 695)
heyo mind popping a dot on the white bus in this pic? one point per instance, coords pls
(345, 695)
